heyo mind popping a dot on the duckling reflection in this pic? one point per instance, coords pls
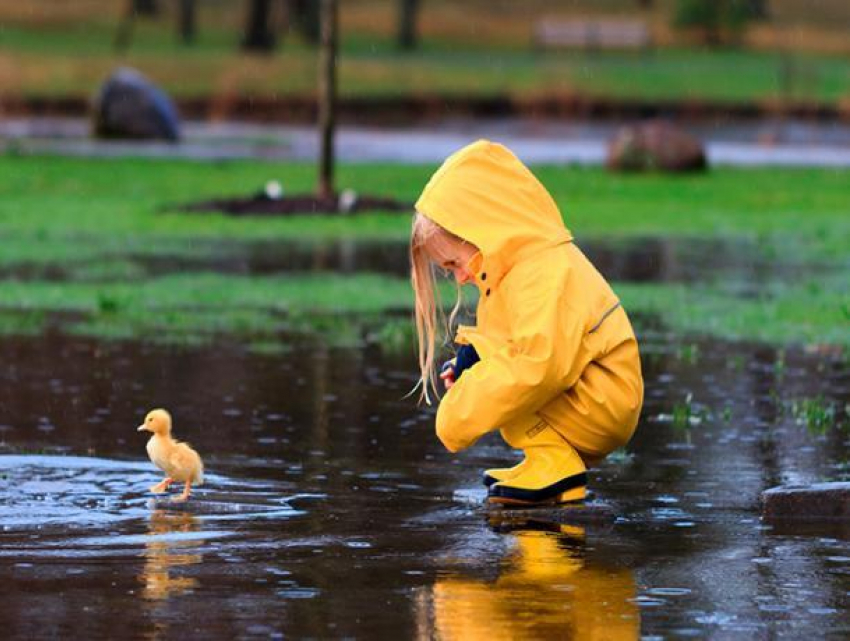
(162, 555)
(546, 589)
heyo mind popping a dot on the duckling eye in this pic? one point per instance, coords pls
(150, 419)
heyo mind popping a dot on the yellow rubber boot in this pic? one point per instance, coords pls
(499, 474)
(553, 472)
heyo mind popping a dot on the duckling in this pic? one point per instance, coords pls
(179, 461)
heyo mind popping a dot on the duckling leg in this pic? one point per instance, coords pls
(187, 490)
(162, 486)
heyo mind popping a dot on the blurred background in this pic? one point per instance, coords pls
(404, 61)
(221, 52)
(565, 74)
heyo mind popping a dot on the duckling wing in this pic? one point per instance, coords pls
(185, 464)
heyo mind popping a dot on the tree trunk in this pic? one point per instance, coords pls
(305, 17)
(407, 10)
(124, 33)
(146, 7)
(133, 8)
(327, 97)
(759, 9)
(187, 21)
(258, 33)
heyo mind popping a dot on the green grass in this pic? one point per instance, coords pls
(64, 209)
(92, 220)
(210, 291)
(72, 61)
(202, 306)
(812, 312)
(474, 48)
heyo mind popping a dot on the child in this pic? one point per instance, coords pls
(559, 371)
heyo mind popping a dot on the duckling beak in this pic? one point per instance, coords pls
(142, 428)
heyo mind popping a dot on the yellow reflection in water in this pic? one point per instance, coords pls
(545, 590)
(163, 555)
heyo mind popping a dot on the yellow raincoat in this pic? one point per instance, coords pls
(553, 339)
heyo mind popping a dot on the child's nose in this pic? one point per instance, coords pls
(461, 276)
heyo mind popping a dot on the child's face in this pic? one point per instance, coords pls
(452, 255)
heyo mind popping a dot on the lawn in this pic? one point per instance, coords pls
(96, 247)
(469, 50)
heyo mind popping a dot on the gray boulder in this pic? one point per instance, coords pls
(129, 106)
(655, 146)
(811, 502)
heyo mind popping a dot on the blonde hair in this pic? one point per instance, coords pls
(427, 310)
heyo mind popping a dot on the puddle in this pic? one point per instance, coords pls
(330, 509)
(651, 259)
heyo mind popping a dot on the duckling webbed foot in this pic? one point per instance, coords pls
(187, 491)
(162, 486)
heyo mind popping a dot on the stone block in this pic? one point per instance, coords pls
(817, 501)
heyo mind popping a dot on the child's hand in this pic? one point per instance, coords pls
(448, 376)
(452, 370)
(447, 373)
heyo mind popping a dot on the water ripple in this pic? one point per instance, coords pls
(39, 493)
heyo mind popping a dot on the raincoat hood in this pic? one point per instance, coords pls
(485, 195)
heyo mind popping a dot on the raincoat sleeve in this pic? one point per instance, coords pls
(522, 375)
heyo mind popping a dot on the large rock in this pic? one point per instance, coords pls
(128, 105)
(810, 502)
(655, 146)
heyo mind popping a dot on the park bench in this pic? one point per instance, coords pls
(591, 34)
